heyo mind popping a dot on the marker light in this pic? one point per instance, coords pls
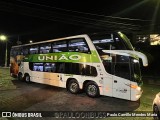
(135, 61)
(134, 86)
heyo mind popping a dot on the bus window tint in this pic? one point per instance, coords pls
(13, 52)
(122, 66)
(103, 42)
(25, 50)
(45, 48)
(49, 67)
(75, 69)
(122, 70)
(16, 51)
(119, 43)
(108, 66)
(78, 45)
(38, 67)
(34, 49)
(60, 67)
(88, 70)
(59, 46)
(107, 42)
(80, 69)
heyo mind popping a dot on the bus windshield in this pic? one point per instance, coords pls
(137, 72)
(126, 40)
(111, 41)
(116, 64)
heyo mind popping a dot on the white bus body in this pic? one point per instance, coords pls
(80, 63)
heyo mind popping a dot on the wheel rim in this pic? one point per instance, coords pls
(27, 78)
(155, 109)
(92, 90)
(20, 77)
(73, 87)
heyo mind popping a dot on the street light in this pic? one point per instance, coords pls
(4, 38)
(30, 41)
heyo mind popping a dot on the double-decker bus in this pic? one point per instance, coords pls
(99, 64)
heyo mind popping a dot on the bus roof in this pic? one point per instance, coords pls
(57, 39)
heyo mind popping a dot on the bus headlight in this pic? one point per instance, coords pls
(139, 88)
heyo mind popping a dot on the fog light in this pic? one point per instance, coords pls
(138, 96)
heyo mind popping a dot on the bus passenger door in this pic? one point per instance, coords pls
(61, 80)
(61, 74)
(121, 78)
(121, 88)
(53, 74)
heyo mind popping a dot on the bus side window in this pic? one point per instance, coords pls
(119, 43)
(88, 70)
(53, 67)
(13, 52)
(80, 69)
(45, 48)
(25, 50)
(34, 49)
(122, 66)
(72, 68)
(37, 67)
(78, 45)
(60, 67)
(49, 67)
(59, 46)
(68, 68)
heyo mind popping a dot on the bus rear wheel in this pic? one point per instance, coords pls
(73, 86)
(20, 76)
(92, 89)
(27, 78)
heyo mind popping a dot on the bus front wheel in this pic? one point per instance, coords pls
(73, 86)
(156, 111)
(27, 78)
(92, 89)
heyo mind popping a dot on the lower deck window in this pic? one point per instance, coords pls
(38, 67)
(67, 68)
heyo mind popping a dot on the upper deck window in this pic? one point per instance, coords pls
(34, 49)
(25, 50)
(15, 51)
(45, 48)
(78, 45)
(109, 42)
(59, 46)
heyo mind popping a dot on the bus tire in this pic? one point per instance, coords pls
(156, 111)
(27, 78)
(92, 90)
(73, 86)
(20, 78)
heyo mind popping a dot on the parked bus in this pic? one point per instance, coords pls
(99, 64)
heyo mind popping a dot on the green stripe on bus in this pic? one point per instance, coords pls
(63, 57)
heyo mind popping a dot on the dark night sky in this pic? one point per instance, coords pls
(48, 19)
(22, 17)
